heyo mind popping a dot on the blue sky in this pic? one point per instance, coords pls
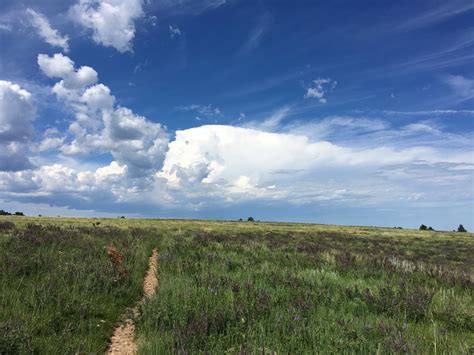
(331, 112)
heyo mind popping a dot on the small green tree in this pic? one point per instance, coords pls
(423, 227)
(250, 219)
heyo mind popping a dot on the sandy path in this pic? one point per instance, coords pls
(122, 341)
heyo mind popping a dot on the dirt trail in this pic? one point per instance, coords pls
(122, 341)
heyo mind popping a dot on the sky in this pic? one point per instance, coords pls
(343, 112)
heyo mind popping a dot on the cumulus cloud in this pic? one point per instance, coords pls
(17, 113)
(272, 161)
(52, 140)
(174, 31)
(320, 88)
(112, 22)
(236, 163)
(46, 32)
(59, 181)
(99, 124)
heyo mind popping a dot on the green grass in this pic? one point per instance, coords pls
(59, 291)
(229, 287)
(267, 288)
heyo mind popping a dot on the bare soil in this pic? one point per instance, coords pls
(123, 341)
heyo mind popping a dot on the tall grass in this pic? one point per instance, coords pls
(228, 287)
(266, 291)
(60, 292)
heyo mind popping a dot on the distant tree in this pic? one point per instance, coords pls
(462, 229)
(19, 213)
(430, 228)
(4, 213)
(240, 219)
(423, 227)
(250, 219)
(122, 216)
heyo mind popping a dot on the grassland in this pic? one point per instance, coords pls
(230, 287)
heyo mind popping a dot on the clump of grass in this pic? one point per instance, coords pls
(405, 301)
(6, 225)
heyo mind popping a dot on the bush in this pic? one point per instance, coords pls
(250, 219)
(423, 227)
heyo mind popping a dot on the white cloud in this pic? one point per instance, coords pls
(337, 127)
(174, 31)
(58, 66)
(52, 140)
(203, 110)
(112, 21)
(98, 97)
(270, 124)
(46, 32)
(99, 125)
(227, 160)
(320, 89)
(17, 113)
(462, 86)
(256, 35)
(5, 27)
(186, 7)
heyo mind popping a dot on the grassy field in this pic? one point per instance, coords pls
(235, 287)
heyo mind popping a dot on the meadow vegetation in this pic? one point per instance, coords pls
(61, 292)
(235, 287)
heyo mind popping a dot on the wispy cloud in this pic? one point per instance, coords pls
(203, 110)
(174, 31)
(5, 27)
(463, 87)
(46, 32)
(429, 112)
(185, 7)
(436, 14)
(459, 51)
(256, 35)
(272, 123)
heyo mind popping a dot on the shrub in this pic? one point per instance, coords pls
(423, 227)
(250, 219)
